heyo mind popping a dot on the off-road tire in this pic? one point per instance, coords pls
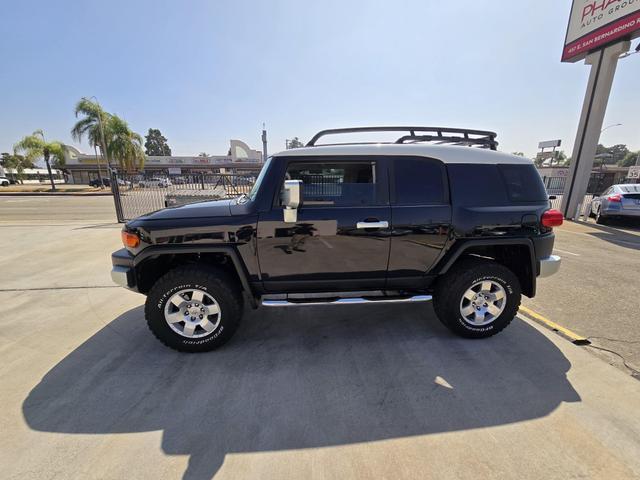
(452, 286)
(215, 283)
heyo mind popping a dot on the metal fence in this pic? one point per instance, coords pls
(136, 194)
(555, 188)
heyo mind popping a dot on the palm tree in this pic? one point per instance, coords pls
(35, 146)
(92, 126)
(124, 145)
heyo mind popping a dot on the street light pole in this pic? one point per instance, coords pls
(610, 126)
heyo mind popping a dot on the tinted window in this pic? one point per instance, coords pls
(487, 185)
(523, 183)
(476, 185)
(418, 181)
(335, 184)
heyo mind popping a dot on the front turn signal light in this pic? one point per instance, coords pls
(130, 240)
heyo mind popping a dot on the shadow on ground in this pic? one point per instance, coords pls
(298, 378)
(616, 236)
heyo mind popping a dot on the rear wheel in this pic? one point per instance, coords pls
(600, 218)
(192, 309)
(477, 298)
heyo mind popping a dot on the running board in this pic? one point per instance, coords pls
(345, 301)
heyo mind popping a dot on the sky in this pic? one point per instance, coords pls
(204, 72)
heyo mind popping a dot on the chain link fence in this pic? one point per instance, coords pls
(136, 194)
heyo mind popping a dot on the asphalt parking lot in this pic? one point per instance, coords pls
(312, 392)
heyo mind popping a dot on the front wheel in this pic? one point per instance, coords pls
(192, 309)
(477, 298)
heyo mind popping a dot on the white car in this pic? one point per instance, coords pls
(154, 182)
(4, 181)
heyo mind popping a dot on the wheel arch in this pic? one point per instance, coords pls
(155, 261)
(508, 252)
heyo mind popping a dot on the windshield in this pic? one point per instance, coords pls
(256, 186)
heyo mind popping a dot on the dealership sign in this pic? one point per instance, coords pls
(595, 23)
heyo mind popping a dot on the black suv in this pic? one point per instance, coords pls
(437, 213)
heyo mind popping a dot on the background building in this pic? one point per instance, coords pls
(82, 167)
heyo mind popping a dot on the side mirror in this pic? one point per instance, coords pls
(291, 199)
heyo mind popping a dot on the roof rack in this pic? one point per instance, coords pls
(438, 135)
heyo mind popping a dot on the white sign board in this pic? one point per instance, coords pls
(634, 172)
(174, 171)
(551, 143)
(595, 23)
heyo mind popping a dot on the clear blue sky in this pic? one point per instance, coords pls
(207, 71)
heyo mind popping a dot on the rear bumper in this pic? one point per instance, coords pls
(549, 265)
(122, 271)
(619, 212)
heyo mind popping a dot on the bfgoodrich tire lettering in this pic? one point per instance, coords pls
(452, 287)
(221, 292)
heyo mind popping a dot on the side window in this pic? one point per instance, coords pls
(479, 185)
(523, 183)
(335, 184)
(418, 181)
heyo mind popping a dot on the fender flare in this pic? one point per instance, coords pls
(464, 245)
(229, 250)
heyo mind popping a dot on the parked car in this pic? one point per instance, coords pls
(4, 182)
(410, 221)
(618, 201)
(154, 182)
(106, 182)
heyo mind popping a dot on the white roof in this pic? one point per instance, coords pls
(445, 153)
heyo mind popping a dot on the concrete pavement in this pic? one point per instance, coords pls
(310, 392)
(597, 290)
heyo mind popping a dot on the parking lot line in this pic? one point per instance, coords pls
(568, 253)
(574, 337)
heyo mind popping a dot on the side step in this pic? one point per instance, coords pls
(293, 302)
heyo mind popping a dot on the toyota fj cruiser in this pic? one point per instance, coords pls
(436, 214)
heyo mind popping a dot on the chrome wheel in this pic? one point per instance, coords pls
(483, 302)
(192, 313)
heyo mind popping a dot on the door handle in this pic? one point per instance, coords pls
(382, 224)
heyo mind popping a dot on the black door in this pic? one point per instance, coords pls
(421, 216)
(341, 237)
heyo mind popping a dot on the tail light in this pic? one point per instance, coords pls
(615, 198)
(551, 218)
(130, 240)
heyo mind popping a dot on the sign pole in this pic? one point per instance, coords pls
(603, 66)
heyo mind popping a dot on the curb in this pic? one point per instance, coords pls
(559, 329)
(55, 194)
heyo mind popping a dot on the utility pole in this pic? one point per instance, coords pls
(264, 143)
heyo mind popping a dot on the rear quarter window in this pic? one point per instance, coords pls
(484, 185)
(523, 183)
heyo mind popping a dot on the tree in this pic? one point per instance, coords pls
(17, 163)
(611, 155)
(517, 154)
(205, 154)
(294, 143)
(124, 145)
(35, 146)
(120, 142)
(156, 144)
(629, 159)
(93, 125)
